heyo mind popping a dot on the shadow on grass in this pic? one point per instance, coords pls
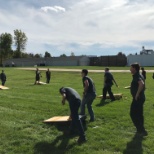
(60, 144)
(103, 102)
(134, 146)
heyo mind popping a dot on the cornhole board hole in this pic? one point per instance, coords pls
(127, 87)
(40, 83)
(57, 119)
(117, 96)
(3, 87)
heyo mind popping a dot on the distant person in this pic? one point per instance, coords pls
(138, 98)
(89, 94)
(3, 77)
(48, 76)
(143, 73)
(74, 101)
(153, 76)
(13, 65)
(108, 82)
(37, 76)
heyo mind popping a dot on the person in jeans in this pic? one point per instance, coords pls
(74, 100)
(108, 82)
(89, 94)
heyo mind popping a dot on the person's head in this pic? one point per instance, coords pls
(135, 68)
(62, 90)
(106, 69)
(84, 72)
(2, 71)
(142, 68)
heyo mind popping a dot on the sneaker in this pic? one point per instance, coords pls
(143, 133)
(112, 100)
(91, 120)
(81, 140)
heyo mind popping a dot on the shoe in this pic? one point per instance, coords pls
(143, 133)
(91, 120)
(112, 100)
(81, 140)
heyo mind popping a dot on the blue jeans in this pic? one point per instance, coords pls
(88, 99)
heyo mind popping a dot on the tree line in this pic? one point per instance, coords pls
(19, 41)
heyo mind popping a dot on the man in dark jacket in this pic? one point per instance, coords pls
(3, 77)
(74, 101)
(138, 98)
(37, 76)
(48, 75)
(108, 82)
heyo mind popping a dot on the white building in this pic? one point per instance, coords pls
(146, 58)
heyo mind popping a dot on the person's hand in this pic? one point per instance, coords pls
(70, 117)
(63, 102)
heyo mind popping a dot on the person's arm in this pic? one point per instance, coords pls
(140, 88)
(86, 85)
(115, 82)
(63, 98)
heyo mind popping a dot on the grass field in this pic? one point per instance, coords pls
(24, 106)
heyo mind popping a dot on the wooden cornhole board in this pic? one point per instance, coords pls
(117, 96)
(3, 87)
(127, 87)
(40, 83)
(62, 119)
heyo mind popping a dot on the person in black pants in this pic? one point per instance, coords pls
(37, 76)
(138, 98)
(143, 73)
(3, 77)
(108, 82)
(48, 75)
(74, 100)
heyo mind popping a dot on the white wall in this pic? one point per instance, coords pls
(143, 60)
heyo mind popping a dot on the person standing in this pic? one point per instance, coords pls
(73, 98)
(108, 82)
(138, 98)
(89, 94)
(48, 76)
(37, 76)
(143, 73)
(3, 77)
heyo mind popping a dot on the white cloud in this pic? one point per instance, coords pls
(107, 24)
(54, 8)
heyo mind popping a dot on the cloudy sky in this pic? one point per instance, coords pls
(89, 27)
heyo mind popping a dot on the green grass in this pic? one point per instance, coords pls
(24, 106)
